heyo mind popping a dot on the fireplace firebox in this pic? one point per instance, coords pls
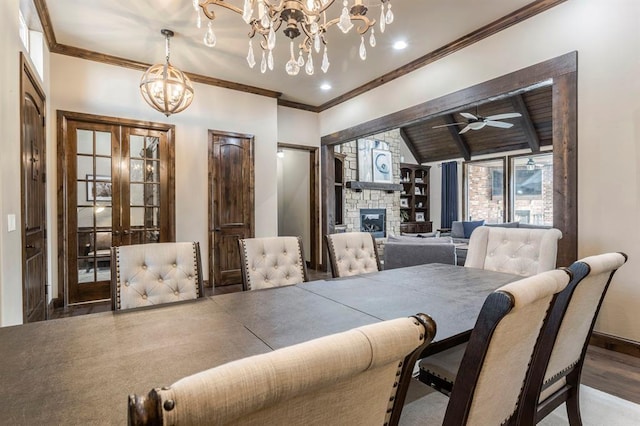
(374, 221)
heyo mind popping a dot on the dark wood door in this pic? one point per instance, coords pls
(34, 229)
(119, 190)
(231, 203)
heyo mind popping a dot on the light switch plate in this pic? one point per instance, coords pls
(11, 222)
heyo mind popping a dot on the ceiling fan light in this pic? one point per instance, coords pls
(477, 125)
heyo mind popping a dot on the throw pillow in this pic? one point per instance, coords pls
(457, 229)
(470, 226)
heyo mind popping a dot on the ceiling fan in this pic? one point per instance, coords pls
(477, 122)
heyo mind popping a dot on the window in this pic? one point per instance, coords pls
(24, 30)
(484, 189)
(528, 183)
(532, 188)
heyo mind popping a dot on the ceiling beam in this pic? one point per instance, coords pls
(459, 140)
(409, 142)
(528, 128)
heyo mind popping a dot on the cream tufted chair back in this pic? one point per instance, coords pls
(519, 251)
(352, 253)
(358, 377)
(272, 262)
(152, 274)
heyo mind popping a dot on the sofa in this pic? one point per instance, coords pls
(459, 235)
(402, 251)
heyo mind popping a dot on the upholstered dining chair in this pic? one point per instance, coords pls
(494, 368)
(556, 368)
(357, 377)
(352, 253)
(272, 262)
(519, 251)
(153, 274)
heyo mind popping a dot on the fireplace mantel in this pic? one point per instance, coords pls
(359, 186)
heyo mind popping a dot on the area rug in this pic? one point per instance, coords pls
(598, 409)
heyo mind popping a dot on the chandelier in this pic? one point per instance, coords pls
(306, 18)
(165, 87)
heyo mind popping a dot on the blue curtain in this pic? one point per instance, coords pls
(449, 204)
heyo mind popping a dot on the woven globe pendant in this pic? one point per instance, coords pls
(166, 88)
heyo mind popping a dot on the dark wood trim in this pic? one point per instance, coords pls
(407, 141)
(561, 73)
(327, 162)
(527, 125)
(298, 105)
(314, 192)
(522, 14)
(505, 85)
(104, 119)
(45, 20)
(615, 344)
(459, 140)
(359, 186)
(141, 66)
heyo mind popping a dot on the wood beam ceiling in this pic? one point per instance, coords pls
(528, 128)
(412, 147)
(458, 139)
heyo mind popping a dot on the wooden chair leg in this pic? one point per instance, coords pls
(573, 400)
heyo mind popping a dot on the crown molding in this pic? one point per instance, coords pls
(525, 12)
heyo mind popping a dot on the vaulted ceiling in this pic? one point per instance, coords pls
(530, 131)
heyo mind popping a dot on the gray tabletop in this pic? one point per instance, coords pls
(80, 370)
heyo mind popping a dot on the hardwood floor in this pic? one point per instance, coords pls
(611, 372)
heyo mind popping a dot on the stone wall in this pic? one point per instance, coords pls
(371, 199)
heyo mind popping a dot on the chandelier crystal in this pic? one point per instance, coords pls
(165, 87)
(306, 18)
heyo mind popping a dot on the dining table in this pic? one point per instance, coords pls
(80, 370)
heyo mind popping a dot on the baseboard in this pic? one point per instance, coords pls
(616, 344)
(52, 305)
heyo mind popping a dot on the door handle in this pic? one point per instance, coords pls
(29, 246)
(116, 233)
(217, 229)
(126, 232)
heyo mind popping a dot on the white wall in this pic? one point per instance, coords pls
(607, 38)
(298, 127)
(95, 88)
(294, 210)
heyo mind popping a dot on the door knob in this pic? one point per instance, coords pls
(126, 232)
(217, 229)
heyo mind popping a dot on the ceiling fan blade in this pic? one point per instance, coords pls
(469, 116)
(500, 124)
(477, 125)
(465, 130)
(447, 125)
(504, 116)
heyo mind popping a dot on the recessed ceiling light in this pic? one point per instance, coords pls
(325, 86)
(400, 44)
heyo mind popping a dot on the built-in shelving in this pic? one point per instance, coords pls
(414, 198)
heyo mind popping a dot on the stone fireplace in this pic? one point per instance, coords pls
(356, 201)
(374, 221)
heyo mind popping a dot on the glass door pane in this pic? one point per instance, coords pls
(532, 189)
(145, 186)
(91, 208)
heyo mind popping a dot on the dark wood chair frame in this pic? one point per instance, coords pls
(332, 255)
(495, 308)
(147, 410)
(115, 276)
(243, 263)
(532, 411)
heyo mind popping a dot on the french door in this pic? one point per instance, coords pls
(117, 190)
